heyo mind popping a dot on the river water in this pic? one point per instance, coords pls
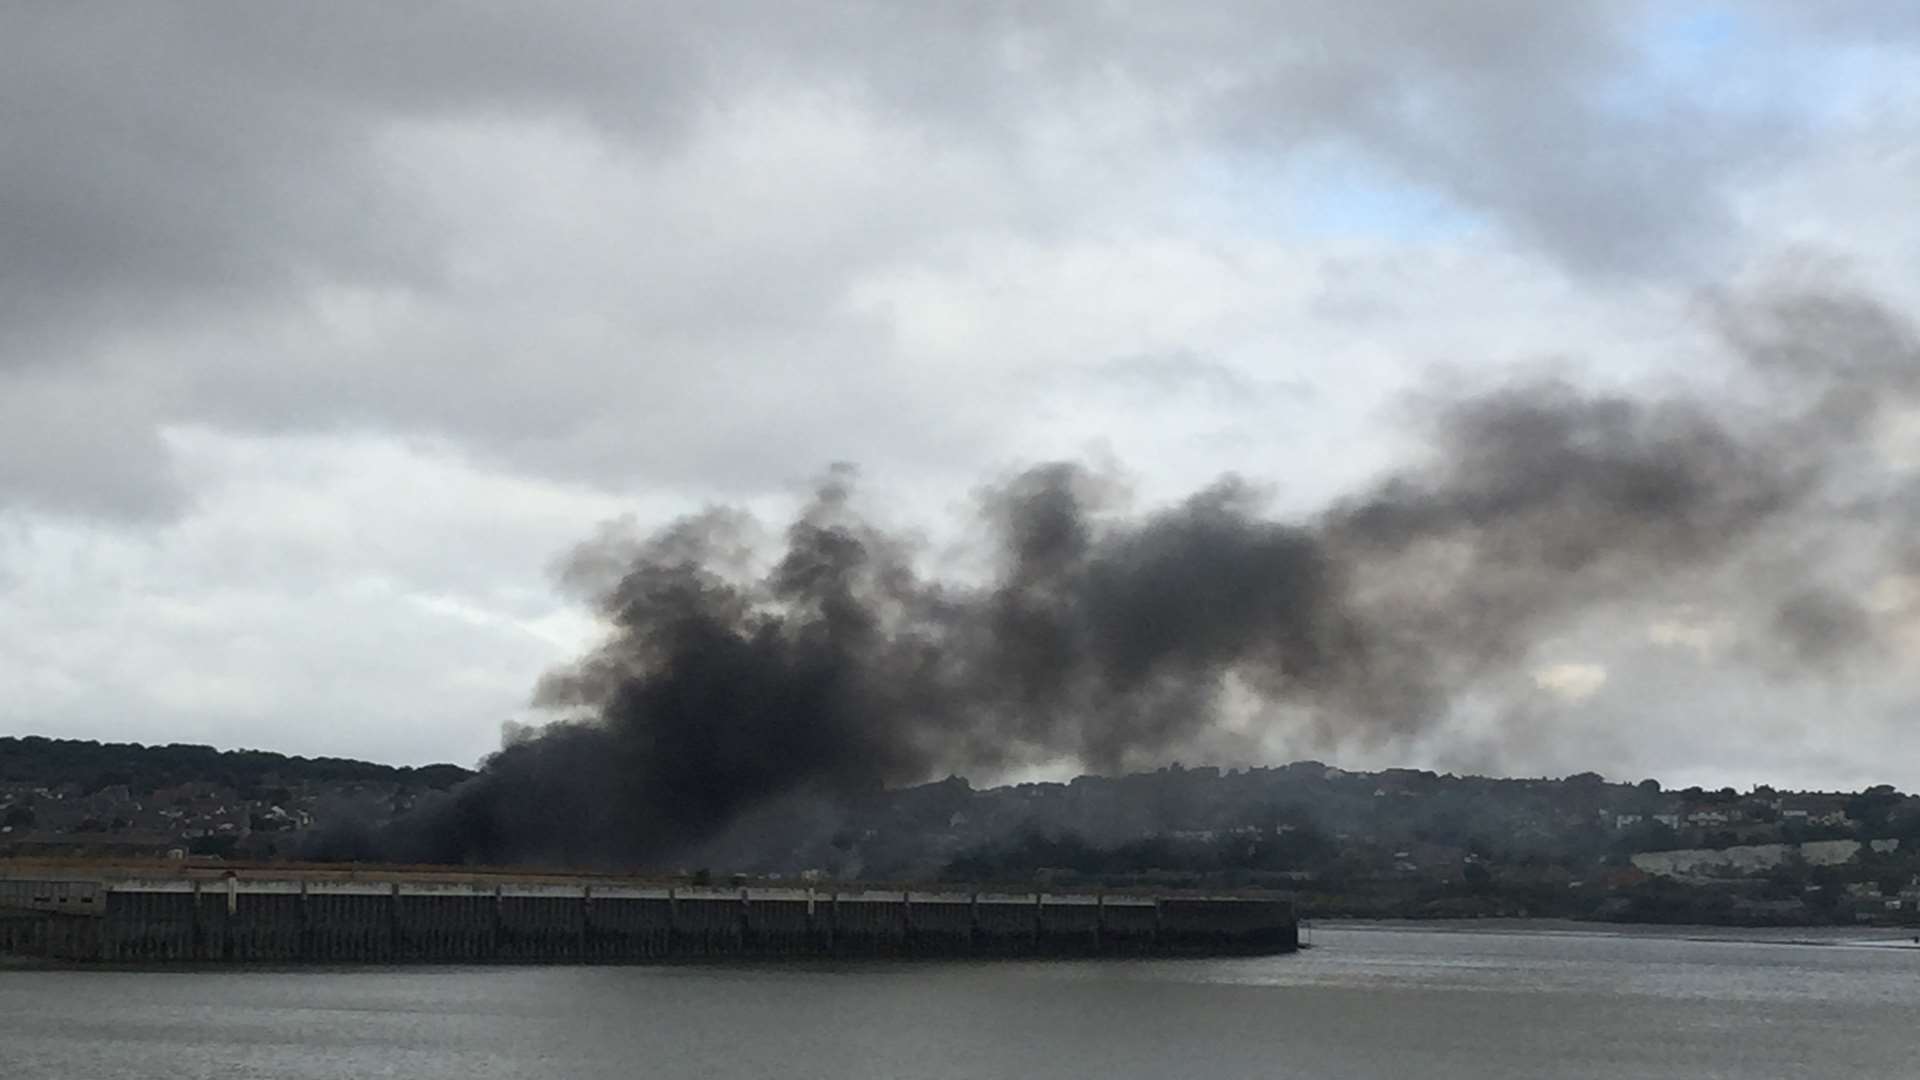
(1407, 1003)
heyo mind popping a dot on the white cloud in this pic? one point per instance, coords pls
(1571, 681)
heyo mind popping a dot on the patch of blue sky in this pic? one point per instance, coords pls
(1717, 59)
(1862, 79)
(1682, 34)
(1320, 192)
(1741, 63)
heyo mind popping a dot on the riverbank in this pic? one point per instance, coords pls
(1856, 936)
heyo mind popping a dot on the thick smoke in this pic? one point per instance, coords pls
(732, 679)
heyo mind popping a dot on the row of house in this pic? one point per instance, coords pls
(1809, 810)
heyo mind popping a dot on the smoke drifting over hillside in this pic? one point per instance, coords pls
(834, 665)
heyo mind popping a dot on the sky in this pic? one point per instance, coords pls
(326, 332)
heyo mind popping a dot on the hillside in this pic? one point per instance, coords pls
(94, 765)
(1400, 842)
(126, 798)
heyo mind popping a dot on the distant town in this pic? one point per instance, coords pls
(1397, 843)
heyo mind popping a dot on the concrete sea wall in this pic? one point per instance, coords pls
(364, 917)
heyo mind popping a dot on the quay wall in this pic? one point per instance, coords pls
(292, 918)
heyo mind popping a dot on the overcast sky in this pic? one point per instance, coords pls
(326, 329)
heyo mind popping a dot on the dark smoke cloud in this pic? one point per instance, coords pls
(1820, 627)
(732, 679)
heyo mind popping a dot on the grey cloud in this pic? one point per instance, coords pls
(1513, 110)
(175, 170)
(67, 442)
(1820, 627)
(151, 166)
(1850, 347)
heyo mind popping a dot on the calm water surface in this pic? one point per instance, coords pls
(1401, 1003)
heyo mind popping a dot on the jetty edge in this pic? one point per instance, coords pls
(75, 912)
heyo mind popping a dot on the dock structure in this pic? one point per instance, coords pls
(168, 914)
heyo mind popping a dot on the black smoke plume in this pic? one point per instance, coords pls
(733, 678)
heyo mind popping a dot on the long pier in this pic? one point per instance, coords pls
(158, 915)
